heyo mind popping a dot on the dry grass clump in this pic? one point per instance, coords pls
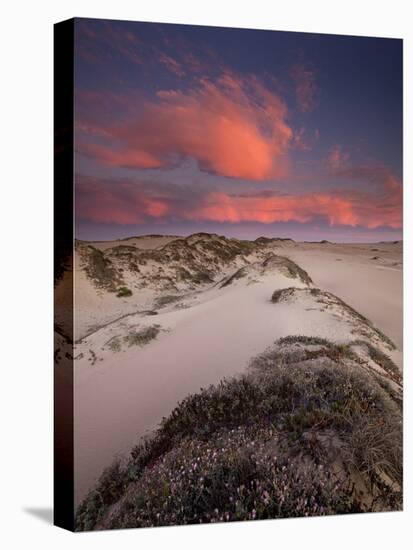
(143, 336)
(305, 340)
(134, 338)
(114, 344)
(382, 360)
(123, 292)
(272, 263)
(288, 268)
(283, 294)
(166, 300)
(289, 438)
(239, 274)
(100, 269)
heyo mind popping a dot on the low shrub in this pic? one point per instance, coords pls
(123, 292)
(143, 336)
(100, 269)
(264, 445)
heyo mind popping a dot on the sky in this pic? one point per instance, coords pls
(181, 129)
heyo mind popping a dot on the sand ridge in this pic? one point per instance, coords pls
(137, 356)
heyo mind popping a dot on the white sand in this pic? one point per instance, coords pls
(372, 287)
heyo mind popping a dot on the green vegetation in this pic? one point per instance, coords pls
(100, 269)
(194, 262)
(226, 250)
(382, 360)
(183, 274)
(134, 338)
(142, 337)
(123, 292)
(202, 277)
(166, 300)
(272, 262)
(114, 344)
(282, 294)
(306, 340)
(288, 268)
(239, 274)
(297, 435)
(269, 240)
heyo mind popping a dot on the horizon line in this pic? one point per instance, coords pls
(157, 235)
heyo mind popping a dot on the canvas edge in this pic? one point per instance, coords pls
(63, 176)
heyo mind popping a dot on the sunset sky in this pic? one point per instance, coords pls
(181, 129)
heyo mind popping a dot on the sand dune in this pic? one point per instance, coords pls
(373, 288)
(137, 356)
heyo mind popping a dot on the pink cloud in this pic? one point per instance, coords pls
(128, 202)
(353, 208)
(129, 158)
(122, 203)
(222, 207)
(232, 126)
